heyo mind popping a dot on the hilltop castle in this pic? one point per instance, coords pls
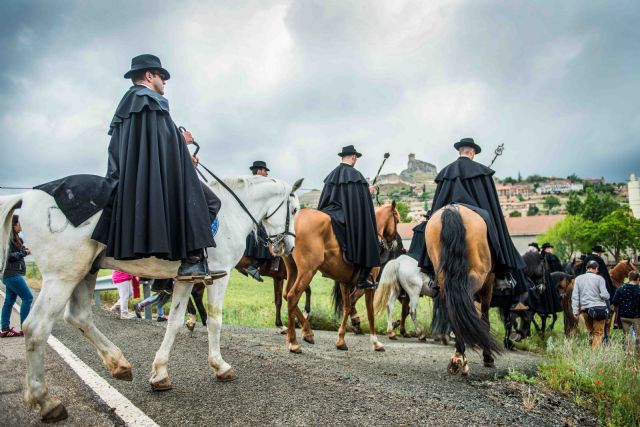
(417, 175)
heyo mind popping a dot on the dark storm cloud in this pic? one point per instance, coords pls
(292, 82)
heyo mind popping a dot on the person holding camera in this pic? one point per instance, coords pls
(12, 277)
(591, 300)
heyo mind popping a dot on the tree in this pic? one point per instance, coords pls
(509, 181)
(515, 214)
(520, 197)
(533, 210)
(569, 235)
(617, 232)
(403, 210)
(550, 202)
(519, 177)
(574, 178)
(598, 205)
(536, 178)
(574, 204)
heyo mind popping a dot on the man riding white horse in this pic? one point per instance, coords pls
(159, 207)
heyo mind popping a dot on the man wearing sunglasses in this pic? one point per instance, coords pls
(160, 208)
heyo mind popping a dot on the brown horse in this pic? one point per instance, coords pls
(278, 276)
(621, 271)
(564, 283)
(458, 247)
(387, 229)
(317, 249)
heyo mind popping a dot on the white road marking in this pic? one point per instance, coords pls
(123, 407)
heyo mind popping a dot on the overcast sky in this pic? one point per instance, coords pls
(292, 82)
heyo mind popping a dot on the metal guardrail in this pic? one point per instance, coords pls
(105, 283)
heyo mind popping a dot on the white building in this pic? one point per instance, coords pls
(634, 195)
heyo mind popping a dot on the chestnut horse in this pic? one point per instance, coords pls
(458, 247)
(317, 249)
(564, 284)
(621, 271)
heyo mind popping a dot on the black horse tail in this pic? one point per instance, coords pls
(466, 323)
(336, 297)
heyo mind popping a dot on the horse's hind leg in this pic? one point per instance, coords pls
(37, 328)
(79, 315)
(159, 371)
(307, 303)
(215, 298)
(355, 318)
(277, 294)
(373, 338)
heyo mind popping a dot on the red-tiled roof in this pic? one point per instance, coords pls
(524, 225)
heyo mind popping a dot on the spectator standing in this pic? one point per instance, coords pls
(591, 300)
(13, 278)
(124, 282)
(163, 289)
(627, 302)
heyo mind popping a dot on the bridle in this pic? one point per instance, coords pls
(273, 239)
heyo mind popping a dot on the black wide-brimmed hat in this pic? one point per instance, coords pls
(535, 245)
(259, 164)
(467, 142)
(348, 151)
(598, 249)
(546, 245)
(146, 62)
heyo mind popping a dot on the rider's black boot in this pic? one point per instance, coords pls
(252, 270)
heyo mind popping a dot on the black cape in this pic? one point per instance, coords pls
(345, 197)
(467, 182)
(418, 247)
(554, 263)
(256, 250)
(602, 271)
(159, 207)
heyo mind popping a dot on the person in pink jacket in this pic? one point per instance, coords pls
(124, 283)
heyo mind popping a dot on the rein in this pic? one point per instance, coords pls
(271, 239)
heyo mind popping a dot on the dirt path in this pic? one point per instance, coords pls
(407, 385)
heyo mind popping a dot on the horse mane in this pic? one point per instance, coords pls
(242, 181)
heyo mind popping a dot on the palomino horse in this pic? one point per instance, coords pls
(67, 257)
(319, 250)
(278, 276)
(458, 247)
(404, 273)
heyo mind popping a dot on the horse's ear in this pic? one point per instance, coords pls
(296, 185)
(393, 205)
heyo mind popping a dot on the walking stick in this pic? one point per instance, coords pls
(497, 152)
(386, 156)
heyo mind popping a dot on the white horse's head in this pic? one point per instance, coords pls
(278, 221)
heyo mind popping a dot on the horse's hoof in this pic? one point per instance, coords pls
(230, 375)
(395, 324)
(422, 338)
(297, 349)
(489, 364)
(282, 330)
(357, 330)
(58, 413)
(342, 347)
(309, 339)
(392, 337)
(162, 385)
(379, 348)
(123, 374)
(190, 326)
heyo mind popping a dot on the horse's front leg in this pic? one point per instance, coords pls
(37, 328)
(215, 298)
(373, 338)
(277, 296)
(307, 303)
(404, 313)
(355, 318)
(159, 371)
(346, 310)
(79, 315)
(554, 317)
(293, 311)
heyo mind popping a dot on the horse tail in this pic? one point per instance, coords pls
(8, 204)
(336, 297)
(466, 323)
(388, 281)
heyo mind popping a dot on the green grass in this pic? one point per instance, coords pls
(605, 379)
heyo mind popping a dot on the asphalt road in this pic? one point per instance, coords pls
(406, 385)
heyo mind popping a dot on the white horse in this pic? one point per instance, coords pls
(402, 272)
(65, 255)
